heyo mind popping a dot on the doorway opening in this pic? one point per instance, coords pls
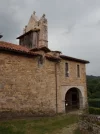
(72, 99)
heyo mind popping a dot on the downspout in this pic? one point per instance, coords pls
(56, 84)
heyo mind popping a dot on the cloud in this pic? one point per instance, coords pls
(74, 25)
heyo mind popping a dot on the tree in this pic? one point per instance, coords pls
(93, 86)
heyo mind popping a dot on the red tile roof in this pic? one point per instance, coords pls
(15, 48)
(73, 59)
(23, 50)
(45, 49)
(57, 51)
(54, 58)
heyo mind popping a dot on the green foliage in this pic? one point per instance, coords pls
(93, 110)
(94, 103)
(37, 126)
(93, 86)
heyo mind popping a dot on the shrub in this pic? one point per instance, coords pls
(93, 110)
(94, 103)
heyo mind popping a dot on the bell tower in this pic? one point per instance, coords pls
(43, 35)
(35, 34)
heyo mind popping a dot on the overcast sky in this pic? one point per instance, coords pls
(74, 26)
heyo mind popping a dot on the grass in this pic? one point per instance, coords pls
(37, 126)
(77, 131)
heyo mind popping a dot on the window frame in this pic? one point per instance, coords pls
(78, 71)
(66, 69)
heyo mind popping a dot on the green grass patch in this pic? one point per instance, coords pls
(77, 131)
(37, 126)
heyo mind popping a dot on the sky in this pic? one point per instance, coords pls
(73, 26)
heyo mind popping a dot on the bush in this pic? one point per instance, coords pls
(93, 110)
(94, 103)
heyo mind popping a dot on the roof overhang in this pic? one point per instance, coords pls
(45, 49)
(9, 47)
(74, 59)
(34, 30)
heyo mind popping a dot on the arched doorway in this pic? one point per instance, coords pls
(72, 99)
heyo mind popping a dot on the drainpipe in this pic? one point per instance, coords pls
(56, 87)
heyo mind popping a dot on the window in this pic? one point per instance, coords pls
(78, 71)
(66, 70)
(40, 61)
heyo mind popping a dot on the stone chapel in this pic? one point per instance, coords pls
(35, 80)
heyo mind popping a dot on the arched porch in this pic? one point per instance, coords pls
(73, 99)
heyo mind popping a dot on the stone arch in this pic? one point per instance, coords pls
(61, 99)
(73, 99)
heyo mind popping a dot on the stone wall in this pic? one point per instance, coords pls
(24, 86)
(66, 83)
(29, 89)
(90, 124)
